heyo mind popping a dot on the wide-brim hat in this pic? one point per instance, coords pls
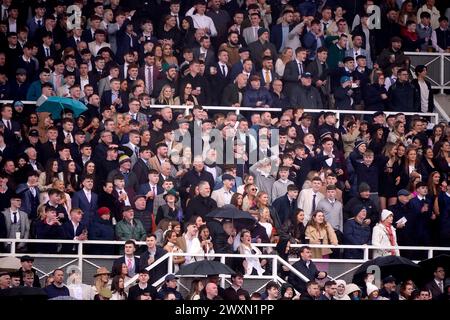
(102, 271)
(171, 192)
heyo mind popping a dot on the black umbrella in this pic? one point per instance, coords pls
(399, 267)
(24, 293)
(429, 265)
(229, 211)
(204, 268)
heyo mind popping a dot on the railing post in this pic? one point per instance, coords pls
(366, 253)
(442, 79)
(80, 258)
(430, 253)
(170, 264)
(222, 279)
(13, 247)
(274, 268)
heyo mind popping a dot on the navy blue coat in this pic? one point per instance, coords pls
(284, 210)
(444, 222)
(355, 234)
(311, 273)
(45, 231)
(276, 35)
(69, 234)
(89, 209)
(157, 272)
(419, 232)
(101, 230)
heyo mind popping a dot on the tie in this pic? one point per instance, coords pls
(154, 191)
(224, 71)
(300, 68)
(176, 18)
(136, 150)
(314, 203)
(33, 191)
(47, 52)
(5, 14)
(129, 265)
(149, 80)
(68, 136)
(77, 40)
(15, 217)
(267, 78)
(39, 23)
(9, 124)
(441, 286)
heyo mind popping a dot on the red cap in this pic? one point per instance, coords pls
(103, 210)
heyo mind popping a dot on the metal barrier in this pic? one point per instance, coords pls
(433, 116)
(80, 257)
(438, 65)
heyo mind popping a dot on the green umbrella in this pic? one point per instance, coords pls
(55, 105)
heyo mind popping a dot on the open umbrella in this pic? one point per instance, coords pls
(24, 293)
(229, 211)
(399, 267)
(55, 105)
(10, 264)
(429, 266)
(204, 268)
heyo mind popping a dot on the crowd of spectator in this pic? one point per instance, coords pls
(134, 166)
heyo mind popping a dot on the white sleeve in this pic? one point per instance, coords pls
(212, 28)
(434, 42)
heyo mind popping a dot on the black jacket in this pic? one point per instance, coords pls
(403, 97)
(199, 206)
(157, 272)
(310, 272)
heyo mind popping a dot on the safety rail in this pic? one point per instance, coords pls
(433, 115)
(80, 257)
(437, 64)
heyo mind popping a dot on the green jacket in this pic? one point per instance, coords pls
(125, 231)
(335, 54)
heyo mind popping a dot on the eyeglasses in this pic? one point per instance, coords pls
(253, 189)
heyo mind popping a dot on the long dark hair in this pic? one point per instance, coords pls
(50, 176)
(115, 286)
(70, 178)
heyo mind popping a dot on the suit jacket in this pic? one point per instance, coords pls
(160, 270)
(87, 36)
(131, 183)
(304, 201)
(230, 95)
(24, 223)
(106, 100)
(276, 36)
(310, 272)
(363, 52)
(210, 56)
(249, 35)
(155, 75)
(9, 135)
(29, 203)
(141, 169)
(117, 266)
(125, 43)
(291, 75)
(103, 85)
(310, 42)
(41, 53)
(262, 74)
(434, 288)
(144, 189)
(47, 151)
(284, 209)
(70, 234)
(89, 209)
(219, 196)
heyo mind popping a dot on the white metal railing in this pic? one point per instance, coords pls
(434, 116)
(80, 257)
(437, 65)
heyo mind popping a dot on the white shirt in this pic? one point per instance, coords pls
(75, 226)
(12, 25)
(17, 215)
(424, 94)
(202, 21)
(88, 194)
(70, 135)
(223, 66)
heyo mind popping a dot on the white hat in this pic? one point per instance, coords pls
(371, 288)
(385, 213)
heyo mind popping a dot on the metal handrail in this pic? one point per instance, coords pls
(238, 110)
